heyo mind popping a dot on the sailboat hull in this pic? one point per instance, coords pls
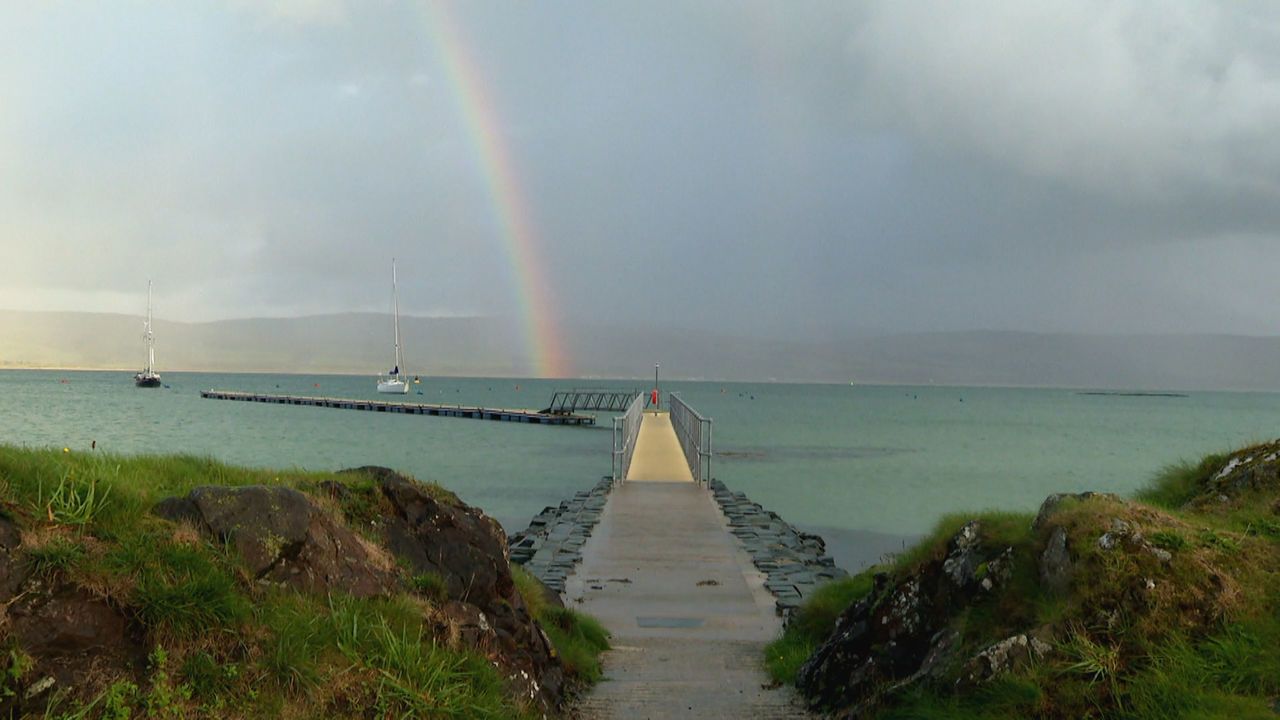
(393, 387)
(143, 380)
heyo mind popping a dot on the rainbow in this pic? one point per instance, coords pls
(542, 334)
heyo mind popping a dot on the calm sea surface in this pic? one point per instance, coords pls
(865, 466)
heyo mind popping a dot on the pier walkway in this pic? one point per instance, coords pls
(688, 612)
(408, 408)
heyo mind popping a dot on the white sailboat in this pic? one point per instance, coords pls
(148, 378)
(394, 382)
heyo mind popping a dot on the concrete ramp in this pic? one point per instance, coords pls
(688, 611)
(658, 456)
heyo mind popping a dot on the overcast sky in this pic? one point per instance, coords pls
(775, 168)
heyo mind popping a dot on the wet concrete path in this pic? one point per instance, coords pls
(689, 614)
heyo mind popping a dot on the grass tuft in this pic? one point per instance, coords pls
(812, 623)
(1178, 484)
(579, 640)
(71, 502)
(178, 590)
(57, 554)
(430, 585)
(1169, 540)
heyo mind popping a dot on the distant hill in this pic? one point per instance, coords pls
(345, 343)
(360, 343)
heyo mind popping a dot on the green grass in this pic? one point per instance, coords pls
(1169, 540)
(579, 639)
(1212, 539)
(413, 677)
(1177, 484)
(177, 590)
(221, 644)
(530, 589)
(1006, 698)
(999, 527)
(1262, 526)
(55, 555)
(291, 656)
(430, 585)
(784, 656)
(1231, 673)
(364, 504)
(72, 501)
(811, 624)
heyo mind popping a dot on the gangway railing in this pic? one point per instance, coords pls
(694, 433)
(626, 428)
(566, 402)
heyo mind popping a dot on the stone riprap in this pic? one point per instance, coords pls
(796, 563)
(552, 544)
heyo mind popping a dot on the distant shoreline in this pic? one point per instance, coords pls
(1118, 393)
(584, 381)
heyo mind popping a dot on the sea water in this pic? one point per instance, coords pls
(866, 467)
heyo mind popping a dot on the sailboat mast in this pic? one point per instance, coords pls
(395, 307)
(151, 340)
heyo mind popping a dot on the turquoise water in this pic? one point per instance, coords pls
(863, 465)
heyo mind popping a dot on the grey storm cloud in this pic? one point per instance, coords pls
(1129, 98)
(777, 169)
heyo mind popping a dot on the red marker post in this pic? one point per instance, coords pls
(653, 396)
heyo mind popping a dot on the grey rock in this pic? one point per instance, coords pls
(961, 562)
(1055, 563)
(1009, 654)
(999, 571)
(1054, 502)
(282, 536)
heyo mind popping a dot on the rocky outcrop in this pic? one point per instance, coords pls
(73, 620)
(1096, 571)
(1009, 655)
(900, 633)
(72, 640)
(1251, 470)
(76, 641)
(467, 551)
(283, 536)
(466, 548)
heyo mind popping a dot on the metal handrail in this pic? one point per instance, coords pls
(626, 428)
(564, 402)
(694, 433)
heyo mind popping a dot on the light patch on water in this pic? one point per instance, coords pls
(802, 453)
